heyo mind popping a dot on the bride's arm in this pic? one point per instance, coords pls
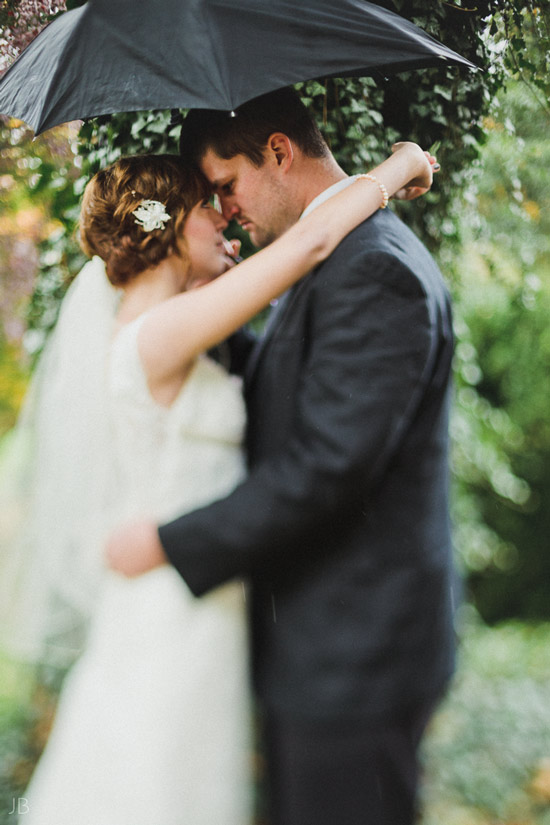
(184, 326)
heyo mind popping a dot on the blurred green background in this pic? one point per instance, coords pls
(487, 220)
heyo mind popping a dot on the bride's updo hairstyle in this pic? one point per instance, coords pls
(108, 227)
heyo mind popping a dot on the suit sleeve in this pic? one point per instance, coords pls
(372, 344)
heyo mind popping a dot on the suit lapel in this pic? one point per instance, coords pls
(274, 322)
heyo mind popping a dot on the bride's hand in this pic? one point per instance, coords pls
(232, 250)
(421, 182)
(134, 548)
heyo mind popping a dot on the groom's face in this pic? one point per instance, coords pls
(253, 196)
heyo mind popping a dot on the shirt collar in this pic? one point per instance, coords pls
(328, 193)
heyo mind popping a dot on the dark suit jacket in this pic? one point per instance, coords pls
(342, 526)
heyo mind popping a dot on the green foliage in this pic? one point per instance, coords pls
(13, 384)
(486, 753)
(526, 31)
(105, 139)
(501, 428)
(14, 720)
(38, 210)
(18, 753)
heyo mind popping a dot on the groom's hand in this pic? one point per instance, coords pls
(135, 548)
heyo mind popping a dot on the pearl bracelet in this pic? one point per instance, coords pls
(383, 190)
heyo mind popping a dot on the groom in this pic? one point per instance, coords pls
(342, 526)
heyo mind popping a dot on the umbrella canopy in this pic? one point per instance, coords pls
(120, 56)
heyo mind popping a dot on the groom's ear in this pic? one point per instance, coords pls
(280, 150)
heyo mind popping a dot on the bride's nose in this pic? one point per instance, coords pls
(218, 220)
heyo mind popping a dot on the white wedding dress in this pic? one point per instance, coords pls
(153, 722)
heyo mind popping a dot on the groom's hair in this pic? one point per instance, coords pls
(246, 130)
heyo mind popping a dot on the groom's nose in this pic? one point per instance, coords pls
(229, 208)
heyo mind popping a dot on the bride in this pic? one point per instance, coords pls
(134, 418)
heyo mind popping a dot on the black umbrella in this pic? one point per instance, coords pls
(120, 56)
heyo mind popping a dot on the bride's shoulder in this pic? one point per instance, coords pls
(124, 365)
(125, 332)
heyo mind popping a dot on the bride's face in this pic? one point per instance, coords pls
(203, 233)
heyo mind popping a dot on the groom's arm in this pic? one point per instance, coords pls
(373, 344)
